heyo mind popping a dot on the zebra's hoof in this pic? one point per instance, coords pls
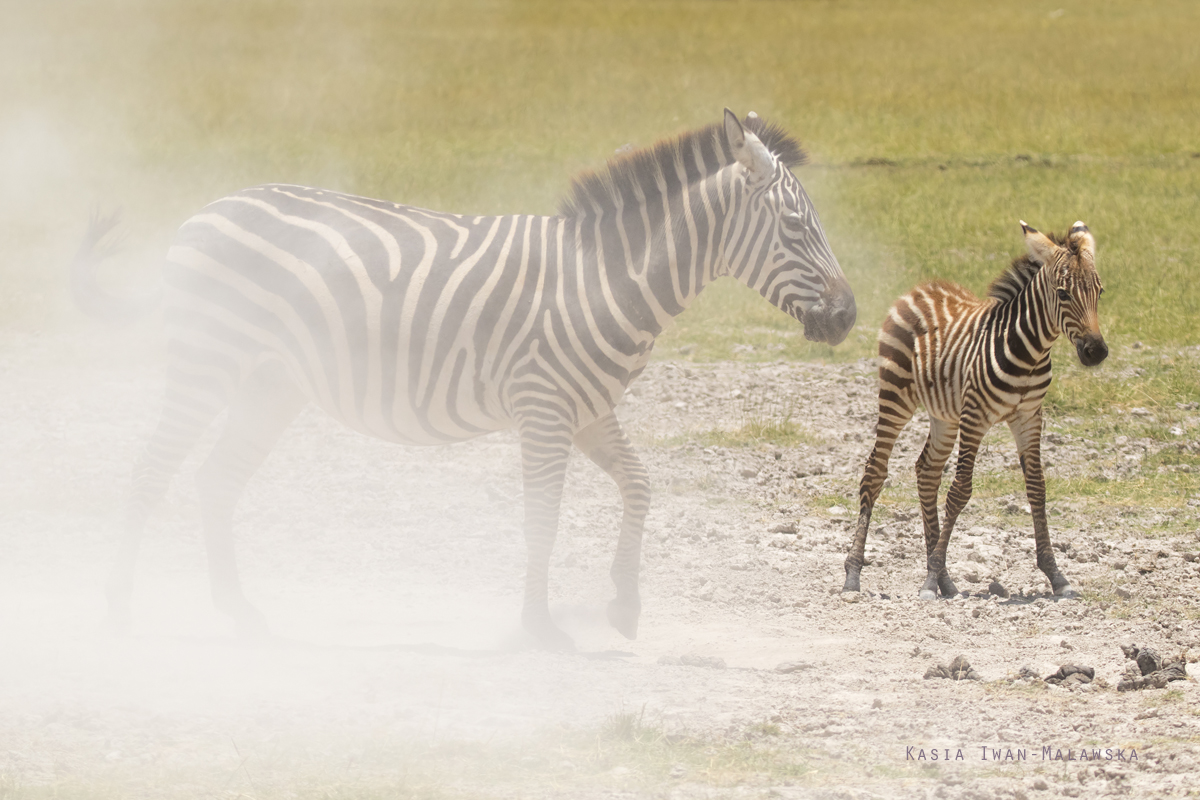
(117, 622)
(624, 617)
(548, 635)
(928, 594)
(1066, 593)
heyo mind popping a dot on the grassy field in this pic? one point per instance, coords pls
(933, 128)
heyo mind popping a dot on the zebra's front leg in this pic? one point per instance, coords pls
(1027, 430)
(937, 577)
(545, 450)
(607, 445)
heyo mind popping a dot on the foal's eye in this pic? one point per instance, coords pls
(1064, 296)
(1101, 290)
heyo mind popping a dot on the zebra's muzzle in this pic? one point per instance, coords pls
(831, 319)
(1091, 349)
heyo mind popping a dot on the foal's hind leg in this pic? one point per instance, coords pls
(972, 430)
(607, 445)
(938, 448)
(893, 416)
(265, 405)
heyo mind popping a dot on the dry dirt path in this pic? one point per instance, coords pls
(392, 578)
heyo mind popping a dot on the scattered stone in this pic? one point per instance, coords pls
(877, 704)
(1123, 593)
(709, 662)
(1040, 784)
(1027, 672)
(784, 527)
(669, 661)
(793, 666)
(838, 511)
(1147, 669)
(995, 588)
(851, 597)
(1070, 676)
(959, 670)
(749, 472)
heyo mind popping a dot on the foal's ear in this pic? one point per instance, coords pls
(747, 148)
(1081, 239)
(1041, 247)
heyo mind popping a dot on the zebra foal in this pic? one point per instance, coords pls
(973, 363)
(422, 327)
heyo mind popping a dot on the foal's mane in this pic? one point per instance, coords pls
(1022, 270)
(653, 167)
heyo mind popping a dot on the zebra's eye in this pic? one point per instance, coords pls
(1064, 296)
(1101, 290)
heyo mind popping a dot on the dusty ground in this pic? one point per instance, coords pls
(392, 578)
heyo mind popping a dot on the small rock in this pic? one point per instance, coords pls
(959, 670)
(784, 527)
(851, 597)
(838, 511)
(793, 666)
(1040, 784)
(709, 662)
(877, 704)
(669, 661)
(1070, 676)
(1123, 593)
(995, 588)
(749, 472)
(678, 771)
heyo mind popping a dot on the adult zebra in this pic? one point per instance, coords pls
(973, 363)
(423, 327)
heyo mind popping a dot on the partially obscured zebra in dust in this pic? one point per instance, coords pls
(973, 363)
(422, 327)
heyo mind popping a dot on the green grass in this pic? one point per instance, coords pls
(933, 128)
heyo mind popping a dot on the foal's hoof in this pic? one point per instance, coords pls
(928, 594)
(624, 616)
(1066, 593)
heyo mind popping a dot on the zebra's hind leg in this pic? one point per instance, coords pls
(607, 445)
(892, 419)
(938, 447)
(190, 404)
(545, 451)
(1027, 430)
(956, 500)
(265, 405)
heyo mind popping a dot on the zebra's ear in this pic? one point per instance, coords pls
(747, 148)
(1041, 248)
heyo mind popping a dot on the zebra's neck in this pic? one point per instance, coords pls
(656, 255)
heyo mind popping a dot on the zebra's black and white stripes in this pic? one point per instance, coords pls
(422, 327)
(973, 363)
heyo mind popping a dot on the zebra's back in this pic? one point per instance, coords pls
(403, 323)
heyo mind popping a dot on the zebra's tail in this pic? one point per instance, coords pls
(86, 291)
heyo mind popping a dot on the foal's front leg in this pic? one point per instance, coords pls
(1027, 430)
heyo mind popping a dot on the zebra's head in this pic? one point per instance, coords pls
(777, 245)
(1075, 287)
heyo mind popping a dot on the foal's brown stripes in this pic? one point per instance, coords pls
(972, 363)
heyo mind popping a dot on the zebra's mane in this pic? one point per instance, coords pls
(1022, 270)
(614, 186)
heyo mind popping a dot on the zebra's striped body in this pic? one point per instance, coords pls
(973, 363)
(422, 327)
